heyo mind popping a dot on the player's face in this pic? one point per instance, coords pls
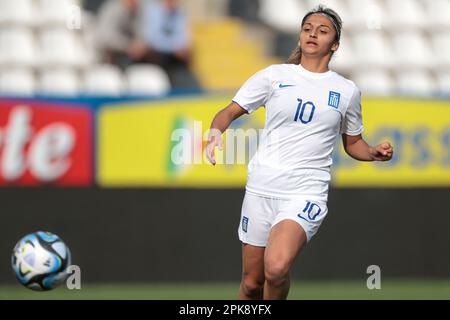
(318, 36)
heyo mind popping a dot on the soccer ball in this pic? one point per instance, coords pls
(40, 261)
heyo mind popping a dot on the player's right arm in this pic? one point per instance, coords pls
(220, 123)
(251, 96)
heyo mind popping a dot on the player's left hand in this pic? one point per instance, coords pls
(382, 152)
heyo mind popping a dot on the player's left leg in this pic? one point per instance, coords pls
(286, 240)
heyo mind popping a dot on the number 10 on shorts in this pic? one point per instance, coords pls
(312, 210)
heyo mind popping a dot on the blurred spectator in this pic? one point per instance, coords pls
(118, 33)
(169, 42)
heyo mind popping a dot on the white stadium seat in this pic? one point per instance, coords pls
(372, 49)
(89, 42)
(17, 12)
(283, 15)
(57, 12)
(60, 82)
(147, 79)
(438, 13)
(104, 80)
(415, 82)
(17, 82)
(441, 49)
(405, 14)
(443, 81)
(344, 58)
(17, 46)
(368, 14)
(412, 49)
(61, 47)
(377, 82)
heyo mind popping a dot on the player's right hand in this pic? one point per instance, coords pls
(214, 140)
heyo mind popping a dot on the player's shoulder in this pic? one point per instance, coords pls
(346, 84)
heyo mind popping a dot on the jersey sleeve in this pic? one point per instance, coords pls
(352, 124)
(255, 91)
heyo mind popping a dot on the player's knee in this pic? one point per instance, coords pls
(276, 272)
(251, 286)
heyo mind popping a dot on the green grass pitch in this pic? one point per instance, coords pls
(302, 290)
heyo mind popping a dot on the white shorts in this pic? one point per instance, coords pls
(260, 214)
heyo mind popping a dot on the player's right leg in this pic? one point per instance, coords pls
(256, 219)
(252, 283)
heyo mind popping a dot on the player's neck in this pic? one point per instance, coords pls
(315, 65)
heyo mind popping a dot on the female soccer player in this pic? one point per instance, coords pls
(307, 107)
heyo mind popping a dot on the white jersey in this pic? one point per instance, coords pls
(305, 113)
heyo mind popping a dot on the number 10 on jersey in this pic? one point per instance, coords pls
(303, 109)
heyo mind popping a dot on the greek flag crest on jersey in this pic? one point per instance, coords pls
(333, 99)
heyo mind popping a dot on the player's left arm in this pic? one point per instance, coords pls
(357, 148)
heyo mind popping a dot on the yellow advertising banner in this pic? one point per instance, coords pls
(137, 144)
(420, 133)
(160, 144)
